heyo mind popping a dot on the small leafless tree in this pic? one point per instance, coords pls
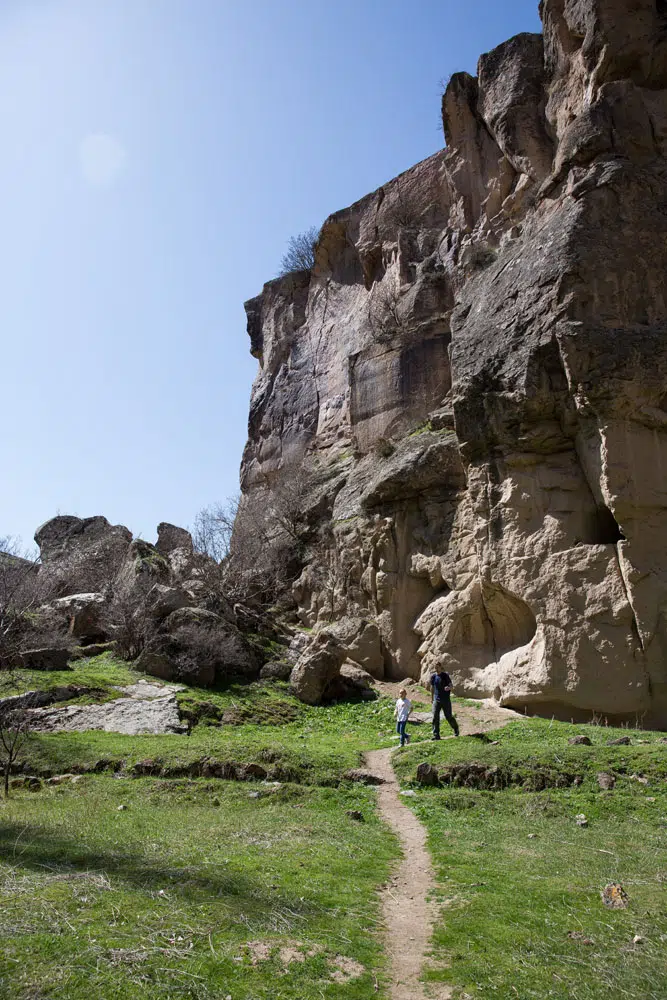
(403, 211)
(15, 726)
(212, 533)
(300, 253)
(384, 316)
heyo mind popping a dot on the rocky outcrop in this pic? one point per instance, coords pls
(472, 382)
(163, 605)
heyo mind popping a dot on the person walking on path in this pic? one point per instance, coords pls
(402, 714)
(441, 685)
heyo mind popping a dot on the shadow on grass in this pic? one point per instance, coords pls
(33, 848)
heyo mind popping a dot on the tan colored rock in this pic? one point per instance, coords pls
(474, 377)
(317, 667)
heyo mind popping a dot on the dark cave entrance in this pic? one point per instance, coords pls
(602, 528)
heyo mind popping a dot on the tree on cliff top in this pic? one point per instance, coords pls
(300, 253)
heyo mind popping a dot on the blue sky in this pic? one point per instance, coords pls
(156, 156)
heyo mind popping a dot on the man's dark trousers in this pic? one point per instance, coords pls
(443, 704)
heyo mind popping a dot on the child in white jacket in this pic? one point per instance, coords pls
(402, 714)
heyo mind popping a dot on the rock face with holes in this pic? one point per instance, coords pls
(473, 381)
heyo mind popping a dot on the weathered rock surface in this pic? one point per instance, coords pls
(473, 379)
(147, 708)
(317, 668)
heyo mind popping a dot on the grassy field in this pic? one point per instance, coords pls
(520, 881)
(176, 885)
(239, 723)
(161, 898)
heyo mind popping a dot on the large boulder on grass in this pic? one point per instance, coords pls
(362, 643)
(317, 668)
(46, 658)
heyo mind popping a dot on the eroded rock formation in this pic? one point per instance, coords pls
(473, 380)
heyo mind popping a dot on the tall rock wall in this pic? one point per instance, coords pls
(472, 382)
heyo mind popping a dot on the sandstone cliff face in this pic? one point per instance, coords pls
(473, 379)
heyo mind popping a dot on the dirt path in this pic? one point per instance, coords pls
(408, 913)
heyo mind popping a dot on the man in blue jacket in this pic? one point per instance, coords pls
(441, 685)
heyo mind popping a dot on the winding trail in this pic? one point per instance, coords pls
(408, 913)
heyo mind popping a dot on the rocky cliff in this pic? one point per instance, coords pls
(472, 384)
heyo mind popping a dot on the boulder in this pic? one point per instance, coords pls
(176, 545)
(173, 668)
(427, 774)
(163, 600)
(364, 777)
(46, 658)
(354, 675)
(278, 670)
(316, 668)
(580, 741)
(362, 643)
(80, 555)
(82, 615)
(186, 616)
(170, 538)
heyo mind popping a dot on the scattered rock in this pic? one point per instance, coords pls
(30, 782)
(355, 814)
(363, 777)
(622, 741)
(605, 780)
(277, 670)
(409, 793)
(60, 779)
(579, 936)
(580, 741)
(581, 820)
(614, 896)
(249, 772)
(121, 808)
(46, 658)
(427, 774)
(640, 778)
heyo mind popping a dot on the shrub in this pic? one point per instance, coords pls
(300, 253)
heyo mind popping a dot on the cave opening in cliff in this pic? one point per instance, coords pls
(602, 528)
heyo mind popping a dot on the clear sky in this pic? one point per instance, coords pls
(156, 156)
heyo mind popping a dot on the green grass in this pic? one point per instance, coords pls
(268, 726)
(102, 672)
(160, 900)
(511, 901)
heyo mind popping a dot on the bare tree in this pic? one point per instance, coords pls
(212, 533)
(300, 253)
(15, 728)
(384, 317)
